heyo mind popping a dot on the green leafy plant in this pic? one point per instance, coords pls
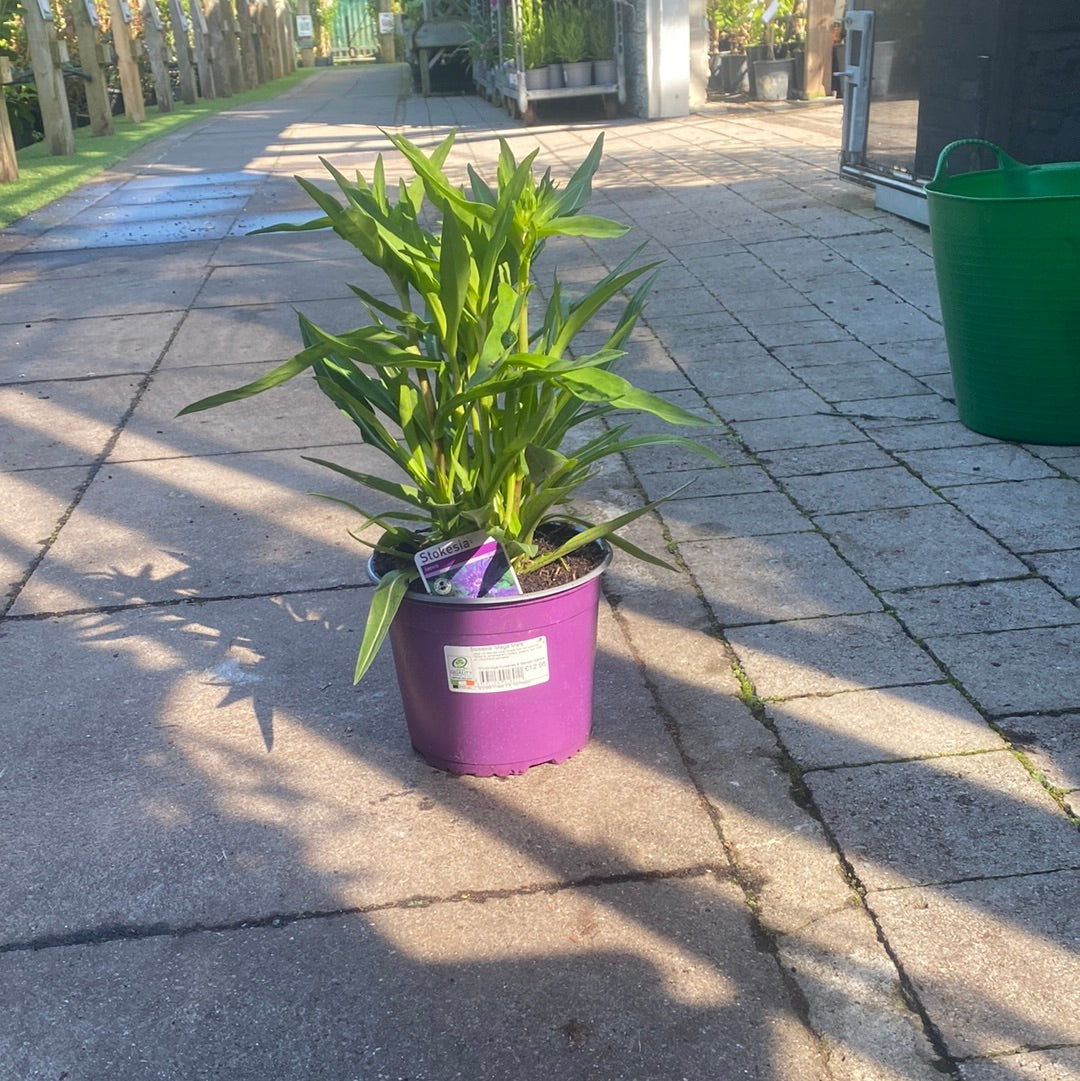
(568, 23)
(600, 30)
(532, 28)
(480, 411)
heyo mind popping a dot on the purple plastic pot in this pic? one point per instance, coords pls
(493, 686)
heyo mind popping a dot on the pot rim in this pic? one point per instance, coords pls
(521, 598)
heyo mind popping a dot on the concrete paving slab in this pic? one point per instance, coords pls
(824, 655)
(995, 962)
(122, 263)
(785, 576)
(154, 286)
(918, 546)
(295, 414)
(1050, 745)
(982, 606)
(716, 517)
(849, 354)
(254, 332)
(939, 820)
(789, 433)
(225, 768)
(735, 480)
(1026, 671)
(858, 490)
(650, 981)
(171, 529)
(282, 283)
(927, 436)
(723, 371)
(976, 465)
(859, 727)
(34, 500)
(1060, 1064)
(923, 357)
(758, 405)
(1061, 569)
(912, 408)
(76, 348)
(54, 423)
(1032, 516)
(837, 457)
(868, 379)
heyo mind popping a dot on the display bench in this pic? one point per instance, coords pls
(508, 84)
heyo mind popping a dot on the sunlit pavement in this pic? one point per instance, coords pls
(823, 827)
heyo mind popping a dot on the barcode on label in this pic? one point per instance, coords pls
(502, 675)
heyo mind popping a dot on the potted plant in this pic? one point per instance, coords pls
(489, 423)
(568, 26)
(600, 38)
(533, 35)
(730, 26)
(772, 76)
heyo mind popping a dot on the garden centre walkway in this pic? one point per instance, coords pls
(823, 829)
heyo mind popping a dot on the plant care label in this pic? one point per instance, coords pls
(508, 666)
(475, 565)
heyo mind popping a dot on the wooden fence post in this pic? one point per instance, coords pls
(85, 18)
(130, 83)
(178, 21)
(154, 37)
(219, 57)
(9, 164)
(203, 60)
(247, 44)
(48, 76)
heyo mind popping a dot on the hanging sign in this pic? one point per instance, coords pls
(386, 22)
(305, 26)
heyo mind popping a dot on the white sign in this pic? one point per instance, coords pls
(305, 26)
(770, 12)
(386, 22)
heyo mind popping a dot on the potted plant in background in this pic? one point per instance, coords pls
(535, 49)
(771, 75)
(600, 42)
(490, 424)
(730, 24)
(568, 22)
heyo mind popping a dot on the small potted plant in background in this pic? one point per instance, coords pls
(600, 38)
(568, 22)
(771, 75)
(535, 47)
(487, 579)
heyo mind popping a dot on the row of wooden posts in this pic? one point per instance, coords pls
(230, 45)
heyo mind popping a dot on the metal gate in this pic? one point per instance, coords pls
(354, 33)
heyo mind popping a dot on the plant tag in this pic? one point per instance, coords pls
(475, 565)
(508, 666)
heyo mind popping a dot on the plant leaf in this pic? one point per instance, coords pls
(385, 602)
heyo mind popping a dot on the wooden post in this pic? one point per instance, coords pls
(9, 164)
(48, 76)
(288, 36)
(203, 62)
(232, 46)
(819, 48)
(258, 44)
(179, 23)
(154, 37)
(130, 84)
(247, 44)
(219, 59)
(84, 16)
(387, 48)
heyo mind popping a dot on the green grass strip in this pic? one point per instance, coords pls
(44, 177)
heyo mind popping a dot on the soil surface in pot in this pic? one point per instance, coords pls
(568, 569)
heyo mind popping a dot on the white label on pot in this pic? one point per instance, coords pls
(505, 667)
